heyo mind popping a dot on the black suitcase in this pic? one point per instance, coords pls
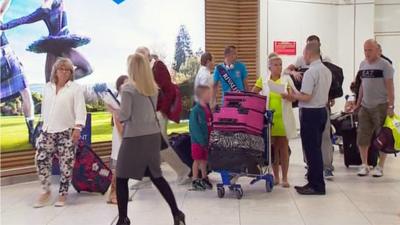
(236, 160)
(182, 146)
(351, 151)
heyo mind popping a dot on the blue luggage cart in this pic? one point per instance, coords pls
(229, 178)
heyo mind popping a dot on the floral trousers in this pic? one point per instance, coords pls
(49, 144)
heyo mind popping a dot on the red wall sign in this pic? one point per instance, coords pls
(285, 47)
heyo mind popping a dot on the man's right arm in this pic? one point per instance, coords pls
(359, 99)
(291, 69)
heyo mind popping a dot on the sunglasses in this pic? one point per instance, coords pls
(65, 70)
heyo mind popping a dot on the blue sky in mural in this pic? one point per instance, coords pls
(115, 30)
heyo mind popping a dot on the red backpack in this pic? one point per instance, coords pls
(175, 110)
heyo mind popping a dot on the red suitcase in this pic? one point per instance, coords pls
(247, 100)
(238, 119)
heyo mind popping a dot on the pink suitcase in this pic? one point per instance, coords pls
(238, 119)
(247, 100)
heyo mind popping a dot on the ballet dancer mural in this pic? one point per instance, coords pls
(60, 42)
(13, 80)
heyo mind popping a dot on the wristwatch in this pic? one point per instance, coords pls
(391, 106)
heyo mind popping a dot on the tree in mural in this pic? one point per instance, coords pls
(183, 48)
(190, 67)
(199, 52)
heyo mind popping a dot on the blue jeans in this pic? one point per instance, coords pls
(312, 124)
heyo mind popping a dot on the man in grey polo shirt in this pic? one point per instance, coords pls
(327, 147)
(312, 103)
(375, 102)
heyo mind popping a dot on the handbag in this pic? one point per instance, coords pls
(388, 139)
(164, 145)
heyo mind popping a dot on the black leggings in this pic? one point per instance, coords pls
(162, 186)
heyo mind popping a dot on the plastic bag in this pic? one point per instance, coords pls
(393, 123)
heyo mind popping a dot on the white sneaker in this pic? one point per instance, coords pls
(377, 171)
(363, 171)
(145, 183)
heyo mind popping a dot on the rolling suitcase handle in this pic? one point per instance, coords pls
(235, 103)
(226, 121)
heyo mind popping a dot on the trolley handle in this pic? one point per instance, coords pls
(235, 103)
(226, 121)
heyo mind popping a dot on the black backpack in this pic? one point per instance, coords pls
(336, 90)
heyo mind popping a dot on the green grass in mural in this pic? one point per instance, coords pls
(14, 136)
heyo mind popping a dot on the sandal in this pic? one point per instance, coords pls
(43, 200)
(285, 184)
(61, 201)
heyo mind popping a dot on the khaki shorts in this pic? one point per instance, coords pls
(370, 121)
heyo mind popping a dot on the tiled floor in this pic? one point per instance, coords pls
(350, 200)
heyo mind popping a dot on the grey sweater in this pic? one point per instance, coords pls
(137, 113)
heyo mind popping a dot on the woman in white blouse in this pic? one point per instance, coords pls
(64, 115)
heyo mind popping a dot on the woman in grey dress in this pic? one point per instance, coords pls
(139, 155)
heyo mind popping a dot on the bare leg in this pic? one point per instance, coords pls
(382, 159)
(275, 163)
(83, 67)
(203, 168)
(27, 104)
(284, 159)
(50, 60)
(195, 170)
(29, 113)
(364, 154)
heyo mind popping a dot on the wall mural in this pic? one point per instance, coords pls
(97, 35)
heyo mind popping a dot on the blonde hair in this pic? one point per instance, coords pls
(140, 74)
(59, 63)
(272, 57)
(144, 51)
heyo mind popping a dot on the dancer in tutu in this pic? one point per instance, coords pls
(13, 80)
(59, 43)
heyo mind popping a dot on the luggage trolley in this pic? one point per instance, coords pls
(229, 178)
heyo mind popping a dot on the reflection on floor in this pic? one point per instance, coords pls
(350, 200)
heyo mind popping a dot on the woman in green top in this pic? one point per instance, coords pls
(284, 125)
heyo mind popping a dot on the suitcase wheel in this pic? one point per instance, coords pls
(239, 192)
(269, 183)
(221, 192)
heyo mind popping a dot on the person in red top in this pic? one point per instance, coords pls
(167, 89)
(165, 100)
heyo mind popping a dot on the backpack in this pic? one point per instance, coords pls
(90, 174)
(384, 141)
(335, 90)
(388, 138)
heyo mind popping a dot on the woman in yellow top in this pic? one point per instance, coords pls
(284, 125)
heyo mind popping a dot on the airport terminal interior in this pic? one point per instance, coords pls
(179, 34)
(350, 200)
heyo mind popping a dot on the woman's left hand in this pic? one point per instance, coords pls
(285, 95)
(76, 135)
